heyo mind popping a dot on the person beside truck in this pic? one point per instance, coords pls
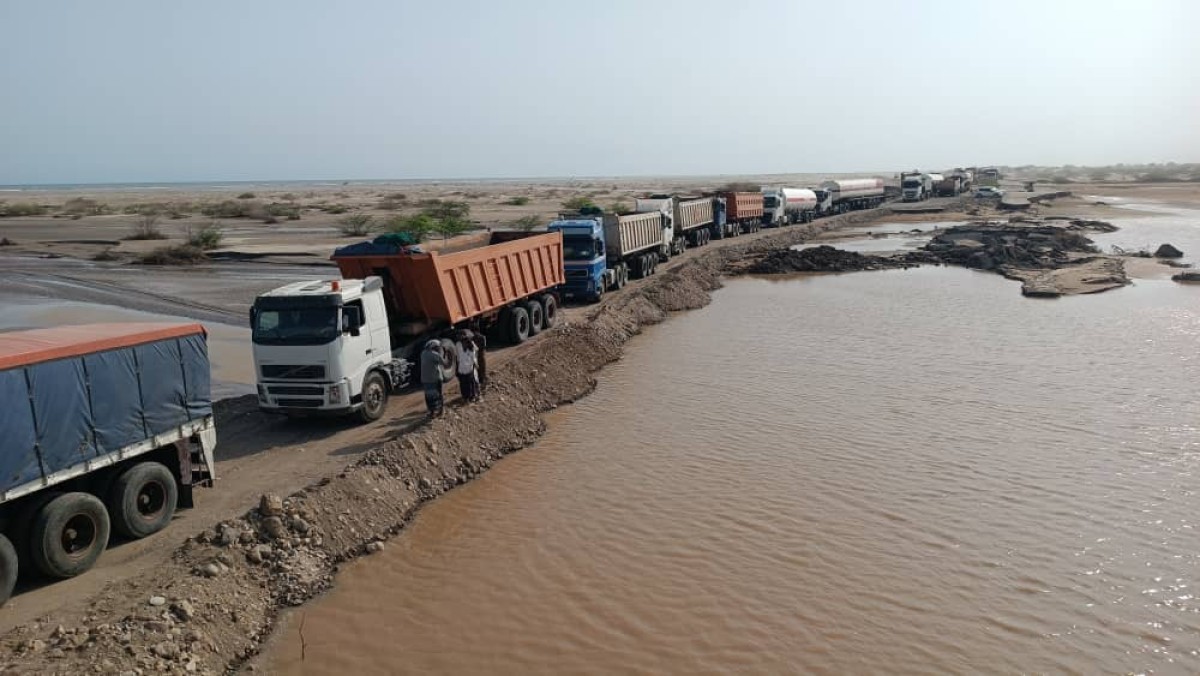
(466, 354)
(432, 363)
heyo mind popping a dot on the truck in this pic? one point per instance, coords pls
(988, 176)
(782, 206)
(691, 218)
(743, 211)
(342, 346)
(602, 251)
(105, 427)
(840, 196)
(949, 186)
(916, 187)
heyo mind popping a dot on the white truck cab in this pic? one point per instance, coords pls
(325, 347)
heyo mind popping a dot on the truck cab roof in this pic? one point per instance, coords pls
(323, 292)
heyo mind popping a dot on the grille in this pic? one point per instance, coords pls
(299, 403)
(296, 389)
(289, 372)
(577, 274)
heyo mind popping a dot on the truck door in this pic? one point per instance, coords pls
(357, 350)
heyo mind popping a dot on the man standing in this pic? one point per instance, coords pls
(465, 351)
(432, 363)
(480, 359)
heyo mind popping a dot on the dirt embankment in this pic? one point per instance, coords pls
(209, 609)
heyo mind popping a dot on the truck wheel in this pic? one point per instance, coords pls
(8, 569)
(550, 309)
(142, 500)
(518, 324)
(68, 534)
(374, 397)
(537, 321)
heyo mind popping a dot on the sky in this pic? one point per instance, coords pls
(134, 91)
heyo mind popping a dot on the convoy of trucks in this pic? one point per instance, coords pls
(341, 346)
(105, 427)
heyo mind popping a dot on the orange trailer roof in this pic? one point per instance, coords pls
(22, 348)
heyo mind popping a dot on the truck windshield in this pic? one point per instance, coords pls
(298, 326)
(912, 183)
(770, 202)
(578, 248)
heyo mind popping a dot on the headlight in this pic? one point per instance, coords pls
(262, 394)
(335, 394)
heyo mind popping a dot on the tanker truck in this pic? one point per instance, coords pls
(341, 346)
(783, 206)
(601, 252)
(840, 196)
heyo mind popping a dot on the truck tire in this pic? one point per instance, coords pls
(518, 324)
(550, 309)
(8, 568)
(374, 397)
(537, 320)
(142, 500)
(622, 276)
(635, 267)
(68, 535)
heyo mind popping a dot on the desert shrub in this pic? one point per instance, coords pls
(105, 256)
(356, 225)
(393, 201)
(417, 226)
(82, 206)
(1156, 177)
(288, 197)
(208, 237)
(1061, 180)
(518, 201)
(279, 209)
(526, 223)
(578, 203)
(334, 208)
(180, 254)
(4, 241)
(450, 217)
(246, 196)
(21, 209)
(226, 209)
(619, 207)
(146, 227)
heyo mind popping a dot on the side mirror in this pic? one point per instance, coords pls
(352, 320)
(253, 316)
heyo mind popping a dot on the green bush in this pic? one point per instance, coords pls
(246, 196)
(578, 203)
(417, 226)
(526, 223)
(357, 225)
(518, 201)
(619, 207)
(450, 217)
(21, 209)
(208, 237)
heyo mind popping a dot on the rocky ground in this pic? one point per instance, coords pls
(211, 606)
(822, 258)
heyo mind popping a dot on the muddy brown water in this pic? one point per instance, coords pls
(906, 471)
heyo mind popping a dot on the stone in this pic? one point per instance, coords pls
(227, 536)
(1187, 277)
(273, 525)
(1168, 251)
(210, 570)
(184, 610)
(425, 484)
(270, 505)
(158, 600)
(373, 547)
(300, 525)
(166, 650)
(37, 645)
(247, 537)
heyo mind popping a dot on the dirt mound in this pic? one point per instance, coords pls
(994, 246)
(1168, 251)
(822, 258)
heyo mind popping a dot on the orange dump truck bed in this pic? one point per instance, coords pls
(463, 285)
(742, 206)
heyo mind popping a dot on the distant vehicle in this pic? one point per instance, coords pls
(989, 191)
(916, 187)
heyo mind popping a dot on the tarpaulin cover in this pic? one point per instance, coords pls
(59, 412)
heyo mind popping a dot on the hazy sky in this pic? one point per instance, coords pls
(293, 89)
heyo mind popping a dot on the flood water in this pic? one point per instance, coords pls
(912, 471)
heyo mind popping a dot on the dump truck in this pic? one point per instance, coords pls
(105, 427)
(916, 187)
(949, 186)
(849, 194)
(782, 206)
(342, 346)
(743, 210)
(691, 218)
(603, 251)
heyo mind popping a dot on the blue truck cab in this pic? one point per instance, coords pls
(584, 255)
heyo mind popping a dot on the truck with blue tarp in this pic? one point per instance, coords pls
(103, 427)
(602, 251)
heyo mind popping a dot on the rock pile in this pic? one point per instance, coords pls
(994, 246)
(1168, 251)
(822, 258)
